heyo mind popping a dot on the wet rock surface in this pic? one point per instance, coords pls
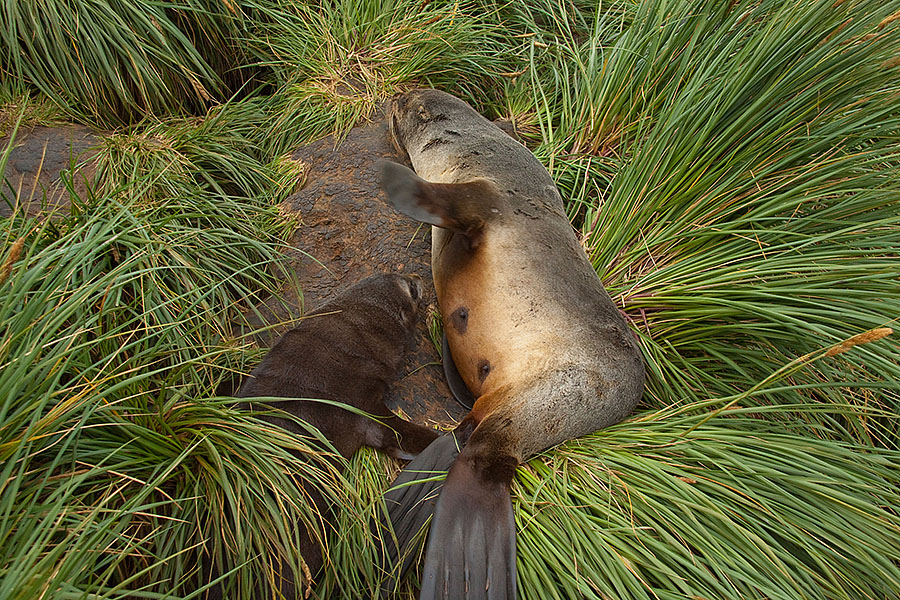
(38, 166)
(348, 231)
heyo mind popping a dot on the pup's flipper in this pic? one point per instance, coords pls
(471, 551)
(461, 207)
(410, 503)
(397, 437)
(454, 380)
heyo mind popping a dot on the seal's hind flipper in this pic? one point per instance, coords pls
(410, 503)
(454, 380)
(461, 207)
(471, 551)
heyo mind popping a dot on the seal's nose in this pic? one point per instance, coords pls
(396, 102)
(416, 287)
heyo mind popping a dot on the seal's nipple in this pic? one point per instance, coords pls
(484, 369)
(460, 319)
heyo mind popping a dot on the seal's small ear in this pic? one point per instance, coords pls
(461, 207)
(408, 193)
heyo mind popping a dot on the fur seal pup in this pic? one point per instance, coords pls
(532, 332)
(348, 350)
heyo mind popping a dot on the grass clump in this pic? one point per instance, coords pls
(336, 62)
(111, 64)
(20, 109)
(671, 506)
(115, 323)
(730, 170)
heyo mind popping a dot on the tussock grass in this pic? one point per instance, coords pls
(20, 109)
(670, 506)
(114, 323)
(352, 570)
(109, 64)
(731, 169)
(337, 61)
(220, 154)
(735, 191)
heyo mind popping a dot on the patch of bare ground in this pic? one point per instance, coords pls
(348, 232)
(38, 166)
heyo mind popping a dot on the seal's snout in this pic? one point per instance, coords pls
(396, 101)
(416, 288)
(393, 124)
(400, 99)
(392, 108)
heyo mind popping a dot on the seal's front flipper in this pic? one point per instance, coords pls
(454, 379)
(471, 551)
(461, 207)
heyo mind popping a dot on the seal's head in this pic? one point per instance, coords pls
(411, 300)
(411, 114)
(400, 296)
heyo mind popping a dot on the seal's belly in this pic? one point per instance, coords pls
(500, 324)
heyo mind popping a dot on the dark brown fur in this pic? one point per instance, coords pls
(347, 351)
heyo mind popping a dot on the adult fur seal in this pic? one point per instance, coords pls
(348, 351)
(532, 332)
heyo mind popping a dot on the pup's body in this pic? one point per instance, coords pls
(347, 351)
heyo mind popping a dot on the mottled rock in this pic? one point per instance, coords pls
(349, 232)
(40, 160)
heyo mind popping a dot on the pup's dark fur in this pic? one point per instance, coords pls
(348, 351)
